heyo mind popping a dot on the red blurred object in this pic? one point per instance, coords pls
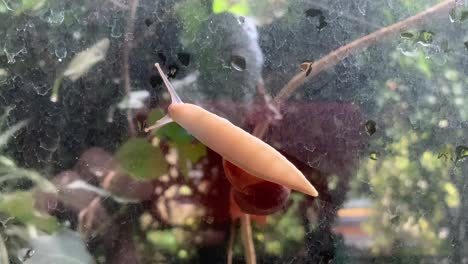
(236, 212)
(253, 195)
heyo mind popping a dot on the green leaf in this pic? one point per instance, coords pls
(3, 73)
(141, 159)
(85, 60)
(192, 13)
(172, 131)
(165, 240)
(4, 7)
(20, 205)
(32, 5)
(238, 7)
(5, 136)
(65, 247)
(188, 154)
(452, 197)
(424, 66)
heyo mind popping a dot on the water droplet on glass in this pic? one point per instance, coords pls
(50, 143)
(41, 89)
(148, 22)
(312, 12)
(56, 17)
(362, 7)
(76, 35)
(407, 35)
(52, 205)
(426, 37)
(238, 62)
(14, 46)
(117, 29)
(371, 127)
(466, 44)
(61, 50)
(374, 155)
(129, 37)
(184, 58)
(452, 15)
(408, 49)
(25, 254)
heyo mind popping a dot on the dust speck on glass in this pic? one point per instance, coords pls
(364, 102)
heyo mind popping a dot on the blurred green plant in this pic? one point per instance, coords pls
(141, 159)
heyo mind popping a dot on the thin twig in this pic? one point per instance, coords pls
(334, 57)
(232, 237)
(126, 54)
(360, 44)
(247, 240)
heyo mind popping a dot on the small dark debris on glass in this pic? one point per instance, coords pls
(184, 58)
(155, 81)
(322, 23)
(407, 35)
(148, 22)
(371, 127)
(238, 62)
(162, 57)
(466, 44)
(312, 12)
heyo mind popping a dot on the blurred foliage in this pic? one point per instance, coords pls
(141, 159)
(412, 194)
(64, 247)
(283, 231)
(20, 206)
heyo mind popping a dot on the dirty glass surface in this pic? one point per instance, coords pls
(368, 99)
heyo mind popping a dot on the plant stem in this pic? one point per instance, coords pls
(126, 64)
(232, 237)
(247, 240)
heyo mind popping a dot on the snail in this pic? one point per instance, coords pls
(233, 143)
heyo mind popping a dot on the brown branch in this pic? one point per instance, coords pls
(360, 44)
(341, 53)
(126, 54)
(247, 240)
